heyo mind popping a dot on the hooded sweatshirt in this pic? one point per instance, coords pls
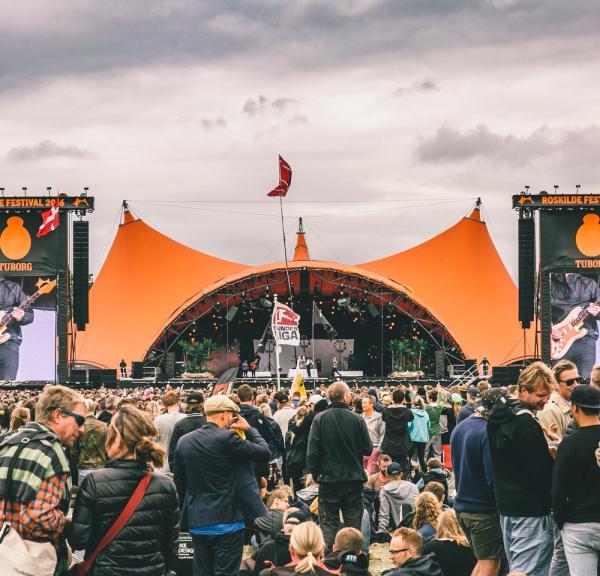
(417, 566)
(396, 440)
(521, 462)
(419, 427)
(396, 499)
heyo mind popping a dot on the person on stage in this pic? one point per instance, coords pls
(11, 297)
(568, 291)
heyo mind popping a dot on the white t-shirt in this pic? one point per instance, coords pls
(283, 417)
(165, 424)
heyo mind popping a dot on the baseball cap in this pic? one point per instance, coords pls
(296, 517)
(315, 398)
(456, 398)
(194, 398)
(473, 391)
(586, 396)
(488, 400)
(393, 468)
(220, 403)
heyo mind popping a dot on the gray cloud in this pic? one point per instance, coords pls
(37, 41)
(298, 120)
(451, 145)
(263, 105)
(45, 150)
(423, 85)
(209, 124)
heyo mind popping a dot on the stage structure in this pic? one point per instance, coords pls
(34, 270)
(451, 293)
(567, 306)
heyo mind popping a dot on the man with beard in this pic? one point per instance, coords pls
(522, 470)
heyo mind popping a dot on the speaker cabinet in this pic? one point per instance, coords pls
(526, 269)
(81, 270)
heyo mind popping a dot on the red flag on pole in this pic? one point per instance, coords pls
(49, 220)
(285, 179)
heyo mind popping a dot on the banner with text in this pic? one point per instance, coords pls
(285, 324)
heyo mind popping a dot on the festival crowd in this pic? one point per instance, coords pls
(479, 481)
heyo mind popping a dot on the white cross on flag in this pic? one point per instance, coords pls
(49, 220)
(285, 324)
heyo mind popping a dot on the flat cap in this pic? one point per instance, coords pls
(220, 403)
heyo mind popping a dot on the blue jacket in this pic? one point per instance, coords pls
(419, 427)
(214, 477)
(472, 465)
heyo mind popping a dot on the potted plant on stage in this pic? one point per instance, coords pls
(197, 356)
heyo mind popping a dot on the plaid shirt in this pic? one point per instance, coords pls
(42, 519)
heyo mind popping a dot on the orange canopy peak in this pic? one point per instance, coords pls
(127, 215)
(301, 250)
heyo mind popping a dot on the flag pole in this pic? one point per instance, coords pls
(287, 272)
(277, 349)
(312, 321)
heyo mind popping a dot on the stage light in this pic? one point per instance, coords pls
(344, 302)
(266, 303)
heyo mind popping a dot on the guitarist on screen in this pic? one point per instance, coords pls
(11, 297)
(578, 296)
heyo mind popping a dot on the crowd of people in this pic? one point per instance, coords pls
(479, 481)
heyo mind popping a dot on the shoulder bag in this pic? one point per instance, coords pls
(84, 567)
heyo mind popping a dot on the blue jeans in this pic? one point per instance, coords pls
(582, 547)
(528, 543)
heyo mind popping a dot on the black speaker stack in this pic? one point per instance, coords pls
(505, 375)
(81, 270)
(526, 268)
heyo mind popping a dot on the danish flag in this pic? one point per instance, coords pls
(49, 220)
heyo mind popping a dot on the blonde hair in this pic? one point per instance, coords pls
(534, 376)
(427, 510)
(449, 529)
(595, 376)
(55, 397)
(138, 433)
(266, 410)
(308, 544)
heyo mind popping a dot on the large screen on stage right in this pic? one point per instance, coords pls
(570, 248)
(27, 328)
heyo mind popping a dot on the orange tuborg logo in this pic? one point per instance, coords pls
(588, 235)
(15, 240)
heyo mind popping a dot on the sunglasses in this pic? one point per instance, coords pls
(78, 417)
(571, 381)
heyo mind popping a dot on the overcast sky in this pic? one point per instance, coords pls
(394, 115)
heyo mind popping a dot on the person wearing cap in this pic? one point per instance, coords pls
(468, 409)
(285, 412)
(194, 405)
(337, 442)
(576, 482)
(215, 480)
(396, 499)
(474, 503)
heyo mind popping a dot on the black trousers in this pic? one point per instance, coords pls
(583, 354)
(419, 448)
(335, 497)
(218, 555)
(9, 361)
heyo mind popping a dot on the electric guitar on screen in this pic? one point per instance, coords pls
(44, 287)
(569, 330)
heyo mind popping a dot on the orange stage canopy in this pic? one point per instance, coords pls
(148, 279)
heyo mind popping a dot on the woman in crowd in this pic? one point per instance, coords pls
(307, 549)
(297, 444)
(147, 545)
(451, 547)
(18, 417)
(427, 512)
(419, 430)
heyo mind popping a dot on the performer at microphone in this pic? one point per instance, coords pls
(11, 297)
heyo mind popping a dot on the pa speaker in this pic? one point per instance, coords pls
(440, 371)
(526, 270)
(137, 370)
(505, 375)
(81, 270)
(231, 313)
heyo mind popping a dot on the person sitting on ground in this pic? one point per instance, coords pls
(438, 491)
(274, 551)
(380, 478)
(269, 525)
(306, 550)
(406, 551)
(427, 513)
(450, 547)
(435, 473)
(347, 556)
(396, 499)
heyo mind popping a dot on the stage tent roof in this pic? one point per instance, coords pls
(147, 279)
